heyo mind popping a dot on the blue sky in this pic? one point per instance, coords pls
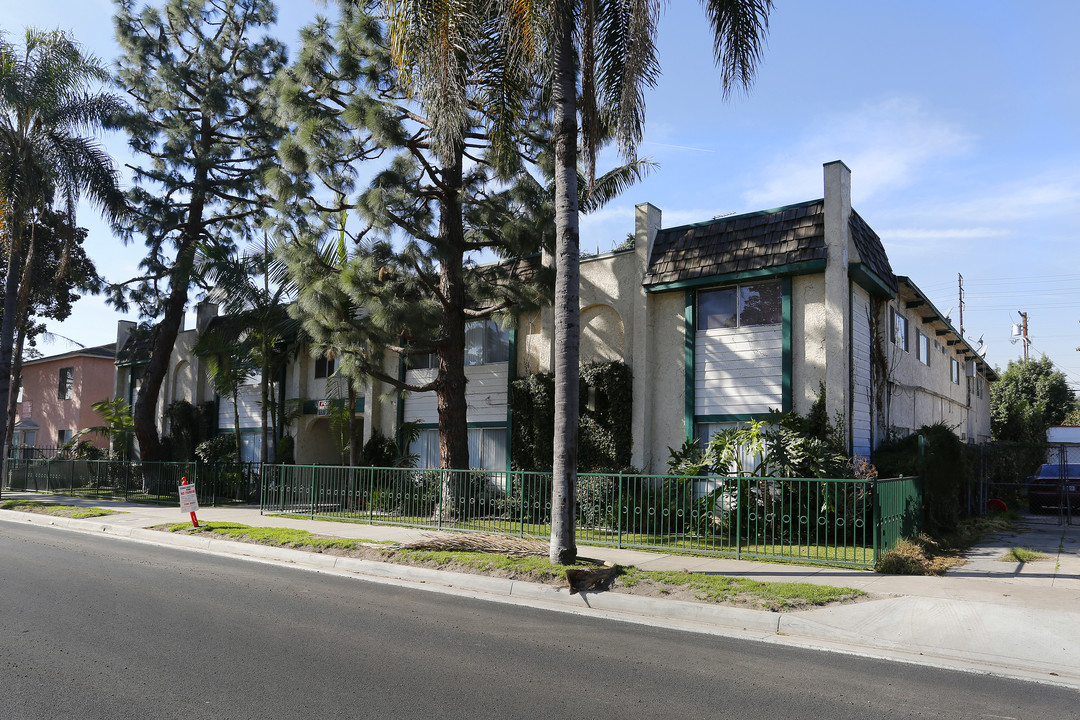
(958, 120)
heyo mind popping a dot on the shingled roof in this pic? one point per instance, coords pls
(757, 241)
(871, 251)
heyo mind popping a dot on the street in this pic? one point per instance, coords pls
(96, 627)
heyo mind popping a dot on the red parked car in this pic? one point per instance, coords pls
(1053, 485)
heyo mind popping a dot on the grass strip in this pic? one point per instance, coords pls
(279, 537)
(1022, 555)
(705, 587)
(77, 512)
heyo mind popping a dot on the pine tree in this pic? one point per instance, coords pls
(197, 74)
(402, 277)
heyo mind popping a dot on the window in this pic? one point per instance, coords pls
(62, 436)
(922, 348)
(19, 397)
(422, 361)
(67, 383)
(954, 368)
(898, 330)
(486, 343)
(324, 367)
(978, 387)
(487, 448)
(748, 460)
(740, 306)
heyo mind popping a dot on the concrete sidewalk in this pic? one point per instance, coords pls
(1017, 620)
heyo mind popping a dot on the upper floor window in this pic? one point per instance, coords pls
(922, 348)
(485, 343)
(740, 306)
(954, 369)
(324, 367)
(898, 330)
(67, 383)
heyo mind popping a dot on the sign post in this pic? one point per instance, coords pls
(188, 501)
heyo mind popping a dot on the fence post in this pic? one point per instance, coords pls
(521, 502)
(618, 513)
(311, 494)
(738, 516)
(877, 516)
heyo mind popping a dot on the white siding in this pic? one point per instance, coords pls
(485, 394)
(738, 370)
(250, 417)
(861, 418)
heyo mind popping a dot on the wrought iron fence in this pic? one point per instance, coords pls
(1004, 477)
(215, 484)
(841, 522)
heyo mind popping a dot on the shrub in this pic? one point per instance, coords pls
(943, 466)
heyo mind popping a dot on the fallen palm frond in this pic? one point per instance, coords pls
(479, 542)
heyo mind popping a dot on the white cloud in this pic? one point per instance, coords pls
(885, 144)
(1047, 195)
(969, 233)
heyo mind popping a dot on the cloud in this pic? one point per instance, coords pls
(886, 144)
(1050, 194)
(920, 234)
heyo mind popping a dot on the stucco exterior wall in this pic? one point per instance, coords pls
(807, 339)
(922, 395)
(92, 381)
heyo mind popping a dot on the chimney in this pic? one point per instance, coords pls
(204, 313)
(647, 219)
(837, 291)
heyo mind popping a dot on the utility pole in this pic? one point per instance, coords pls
(1024, 333)
(960, 278)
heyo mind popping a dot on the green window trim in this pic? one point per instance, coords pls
(690, 419)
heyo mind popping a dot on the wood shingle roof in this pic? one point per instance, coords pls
(757, 241)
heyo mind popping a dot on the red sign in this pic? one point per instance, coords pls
(27, 410)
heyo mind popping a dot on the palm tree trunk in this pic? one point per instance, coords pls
(563, 548)
(354, 436)
(7, 329)
(236, 422)
(13, 397)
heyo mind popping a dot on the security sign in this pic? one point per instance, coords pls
(188, 501)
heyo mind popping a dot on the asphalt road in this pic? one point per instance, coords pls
(96, 627)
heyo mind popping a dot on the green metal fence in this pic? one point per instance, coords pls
(215, 484)
(840, 522)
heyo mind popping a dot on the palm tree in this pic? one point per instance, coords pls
(45, 110)
(604, 53)
(263, 336)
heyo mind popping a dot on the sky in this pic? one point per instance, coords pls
(958, 120)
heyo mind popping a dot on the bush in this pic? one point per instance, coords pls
(944, 468)
(907, 558)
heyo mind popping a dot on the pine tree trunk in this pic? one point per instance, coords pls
(145, 410)
(450, 381)
(563, 549)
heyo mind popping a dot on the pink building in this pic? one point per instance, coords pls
(55, 395)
